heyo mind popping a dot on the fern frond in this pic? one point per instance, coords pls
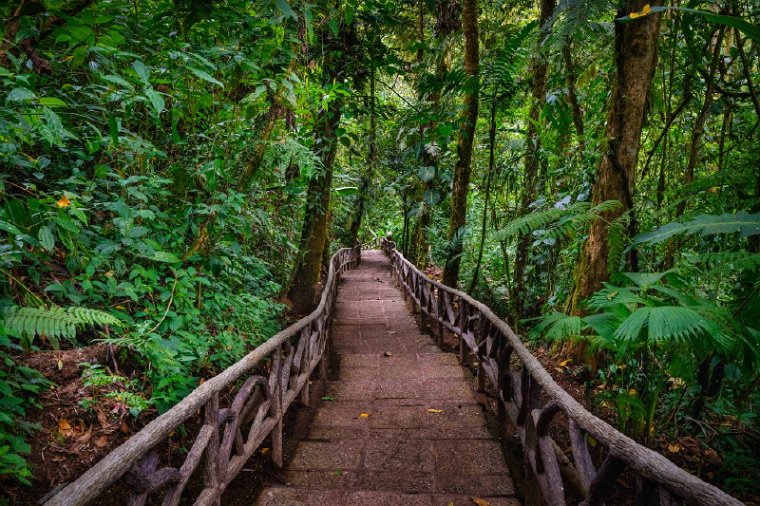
(632, 328)
(611, 295)
(559, 221)
(680, 324)
(739, 260)
(707, 224)
(54, 323)
(604, 324)
(557, 326)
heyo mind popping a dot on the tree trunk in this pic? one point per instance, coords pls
(489, 180)
(539, 70)
(302, 291)
(366, 179)
(463, 166)
(572, 95)
(615, 179)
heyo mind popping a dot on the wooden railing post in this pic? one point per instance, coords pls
(462, 329)
(276, 408)
(440, 310)
(212, 457)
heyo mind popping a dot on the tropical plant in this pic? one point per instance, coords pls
(54, 323)
(662, 332)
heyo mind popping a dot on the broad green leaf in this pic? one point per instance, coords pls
(20, 95)
(156, 100)
(142, 71)
(333, 23)
(118, 80)
(285, 8)
(205, 76)
(165, 256)
(645, 279)
(431, 196)
(10, 228)
(426, 173)
(346, 191)
(47, 240)
(52, 102)
(135, 232)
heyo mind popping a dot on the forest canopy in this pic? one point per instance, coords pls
(176, 174)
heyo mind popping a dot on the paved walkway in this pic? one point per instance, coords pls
(403, 426)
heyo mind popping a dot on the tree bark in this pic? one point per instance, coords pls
(615, 179)
(489, 180)
(463, 165)
(302, 293)
(572, 95)
(303, 286)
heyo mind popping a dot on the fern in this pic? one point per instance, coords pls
(647, 314)
(666, 324)
(735, 260)
(557, 326)
(559, 222)
(54, 323)
(706, 224)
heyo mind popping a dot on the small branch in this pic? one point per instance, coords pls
(168, 306)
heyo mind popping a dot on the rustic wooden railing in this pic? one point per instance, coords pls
(227, 436)
(528, 395)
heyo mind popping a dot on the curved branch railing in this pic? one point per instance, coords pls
(228, 436)
(519, 396)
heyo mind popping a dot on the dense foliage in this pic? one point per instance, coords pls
(174, 171)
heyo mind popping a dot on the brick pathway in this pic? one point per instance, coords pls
(382, 439)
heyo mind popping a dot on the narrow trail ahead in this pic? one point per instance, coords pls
(403, 425)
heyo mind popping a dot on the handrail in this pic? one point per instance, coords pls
(222, 444)
(520, 398)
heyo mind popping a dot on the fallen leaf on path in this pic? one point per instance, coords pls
(479, 501)
(674, 447)
(64, 427)
(431, 410)
(363, 415)
(387, 354)
(565, 362)
(264, 451)
(101, 442)
(84, 438)
(124, 427)
(328, 398)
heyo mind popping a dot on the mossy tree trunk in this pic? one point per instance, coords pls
(303, 285)
(463, 167)
(302, 292)
(615, 179)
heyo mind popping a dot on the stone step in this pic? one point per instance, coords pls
(298, 496)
